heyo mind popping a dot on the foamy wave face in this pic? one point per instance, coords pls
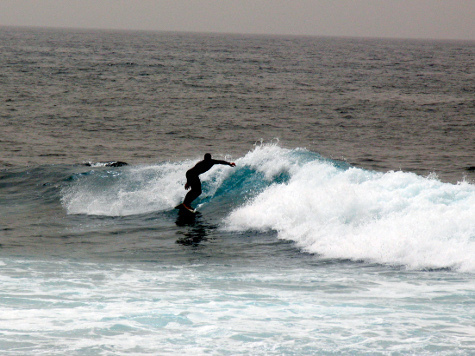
(393, 218)
(135, 190)
(270, 160)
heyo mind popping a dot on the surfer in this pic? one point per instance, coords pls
(193, 180)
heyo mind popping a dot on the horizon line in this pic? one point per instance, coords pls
(224, 33)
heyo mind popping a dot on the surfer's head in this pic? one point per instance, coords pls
(207, 156)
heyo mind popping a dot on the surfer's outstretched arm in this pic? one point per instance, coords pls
(232, 164)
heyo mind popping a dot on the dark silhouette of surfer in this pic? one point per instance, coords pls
(193, 180)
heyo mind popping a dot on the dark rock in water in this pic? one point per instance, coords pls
(106, 164)
(471, 168)
(116, 164)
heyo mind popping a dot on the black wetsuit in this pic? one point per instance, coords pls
(193, 180)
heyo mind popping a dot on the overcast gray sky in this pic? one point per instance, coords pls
(439, 19)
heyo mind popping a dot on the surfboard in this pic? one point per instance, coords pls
(181, 207)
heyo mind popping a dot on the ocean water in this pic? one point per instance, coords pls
(346, 227)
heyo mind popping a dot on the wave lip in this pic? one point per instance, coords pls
(350, 213)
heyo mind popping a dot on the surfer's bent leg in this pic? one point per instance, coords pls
(195, 191)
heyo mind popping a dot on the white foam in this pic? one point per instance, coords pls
(270, 160)
(64, 307)
(393, 218)
(134, 190)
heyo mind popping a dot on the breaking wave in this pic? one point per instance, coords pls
(326, 207)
